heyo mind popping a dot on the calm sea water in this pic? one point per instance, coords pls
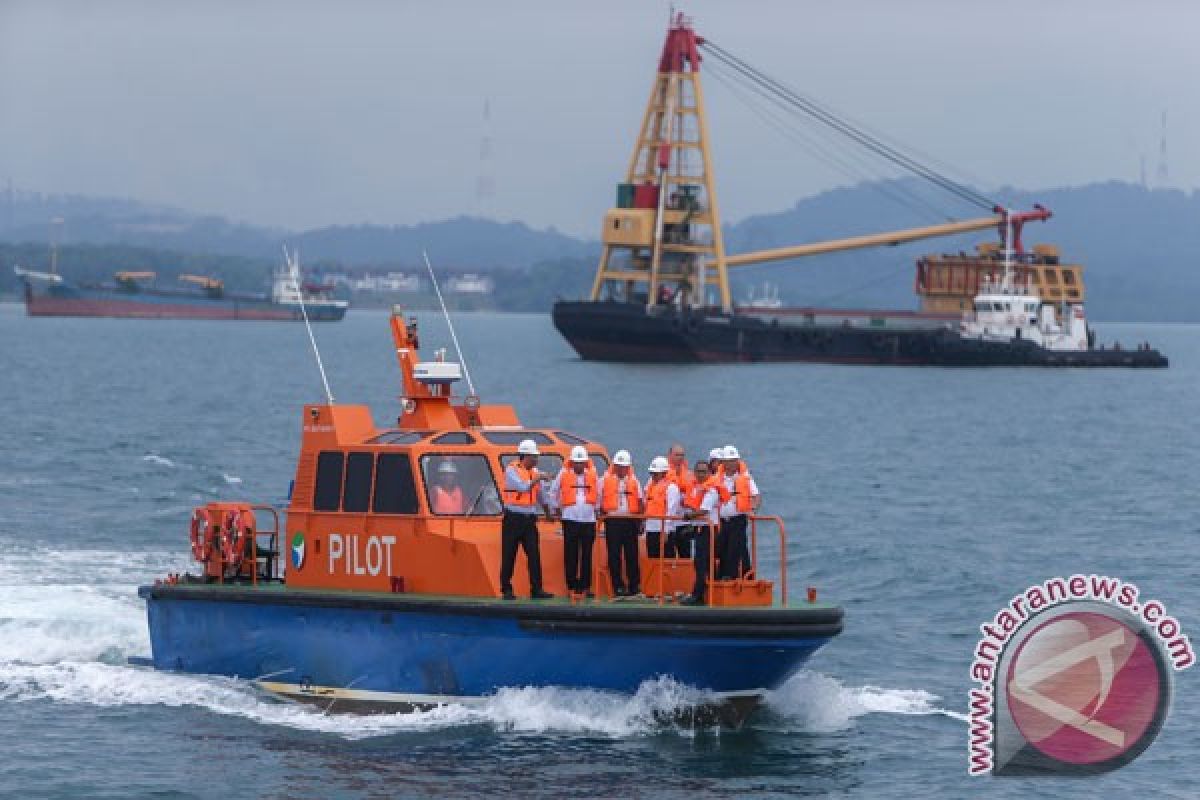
(921, 499)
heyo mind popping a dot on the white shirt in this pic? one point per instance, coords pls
(674, 509)
(580, 510)
(709, 506)
(729, 509)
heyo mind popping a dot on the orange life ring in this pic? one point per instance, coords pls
(239, 524)
(201, 540)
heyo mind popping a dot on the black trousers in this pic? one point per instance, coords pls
(579, 539)
(734, 547)
(701, 540)
(519, 530)
(621, 536)
(678, 543)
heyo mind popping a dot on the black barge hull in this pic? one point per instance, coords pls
(628, 332)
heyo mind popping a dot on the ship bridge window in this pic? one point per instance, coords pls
(460, 485)
(549, 463)
(356, 495)
(456, 437)
(1068, 277)
(399, 437)
(516, 437)
(569, 438)
(327, 495)
(395, 489)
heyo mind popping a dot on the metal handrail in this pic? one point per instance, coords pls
(783, 569)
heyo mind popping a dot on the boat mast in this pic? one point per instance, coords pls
(667, 219)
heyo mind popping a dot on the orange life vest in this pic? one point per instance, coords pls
(694, 497)
(656, 498)
(568, 481)
(609, 500)
(516, 497)
(718, 482)
(447, 501)
(682, 477)
(741, 490)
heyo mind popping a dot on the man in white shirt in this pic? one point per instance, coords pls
(663, 499)
(733, 546)
(621, 496)
(702, 505)
(574, 492)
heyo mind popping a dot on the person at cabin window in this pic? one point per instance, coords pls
(621, 496)
(518, 528)
(743, 500)
(447, 493)
(574, 492)
(701, 504)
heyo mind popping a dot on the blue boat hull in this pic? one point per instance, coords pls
(386, 650)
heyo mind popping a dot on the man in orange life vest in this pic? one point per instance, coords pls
(575, 490)
(447, 494)
(702, 503)
(522, 496)
(743, 499)
(679, 541)
(621, 494)
(662, 500)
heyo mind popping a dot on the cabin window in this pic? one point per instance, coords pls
(327, 495)
(356, 495)
(569, 438)
(460, 485)
(1068, 277)
(548, 463)
(1051, 275)
(399, 437)
(516, 437)
(457, 437)
(395, 490)
(599, 462)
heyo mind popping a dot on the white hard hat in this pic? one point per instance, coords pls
(528, 447)
(448, 467)
(579, 454)
(730, 453)
(716, 454)
(623, 459)
(659, 464)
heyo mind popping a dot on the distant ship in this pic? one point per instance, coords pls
(135, 295)
(662, 290)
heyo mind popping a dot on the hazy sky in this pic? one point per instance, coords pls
(302, 115)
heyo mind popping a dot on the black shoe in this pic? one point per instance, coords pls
(620, 593)
(540, 595)
(692, 600)
(509, 596)
(590, 595)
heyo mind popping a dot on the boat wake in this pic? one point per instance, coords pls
(67, 642)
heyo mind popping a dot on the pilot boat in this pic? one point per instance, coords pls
(364, 594)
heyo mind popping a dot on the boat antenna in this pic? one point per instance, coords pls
(449, 324)
(293, 264)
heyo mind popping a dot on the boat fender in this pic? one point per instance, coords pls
(201, 540)
(239, 528)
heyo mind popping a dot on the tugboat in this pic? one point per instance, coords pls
(662, 292)
(363, 596)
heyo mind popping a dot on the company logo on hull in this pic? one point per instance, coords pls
(298, 550)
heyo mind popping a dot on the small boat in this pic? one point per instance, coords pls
(365, 594)
(136, 295)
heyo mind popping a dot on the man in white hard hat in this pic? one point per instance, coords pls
(621, 495)
(663, 499)
(522, 497)
(701, 505)
(744, 499)
(576, 492)
(447, 496)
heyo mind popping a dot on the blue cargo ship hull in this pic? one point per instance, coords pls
(387, 652)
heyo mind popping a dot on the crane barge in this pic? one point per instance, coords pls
(661, 291)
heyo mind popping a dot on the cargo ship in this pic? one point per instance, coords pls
(137, 295)
(661, 292)
(366, 594)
